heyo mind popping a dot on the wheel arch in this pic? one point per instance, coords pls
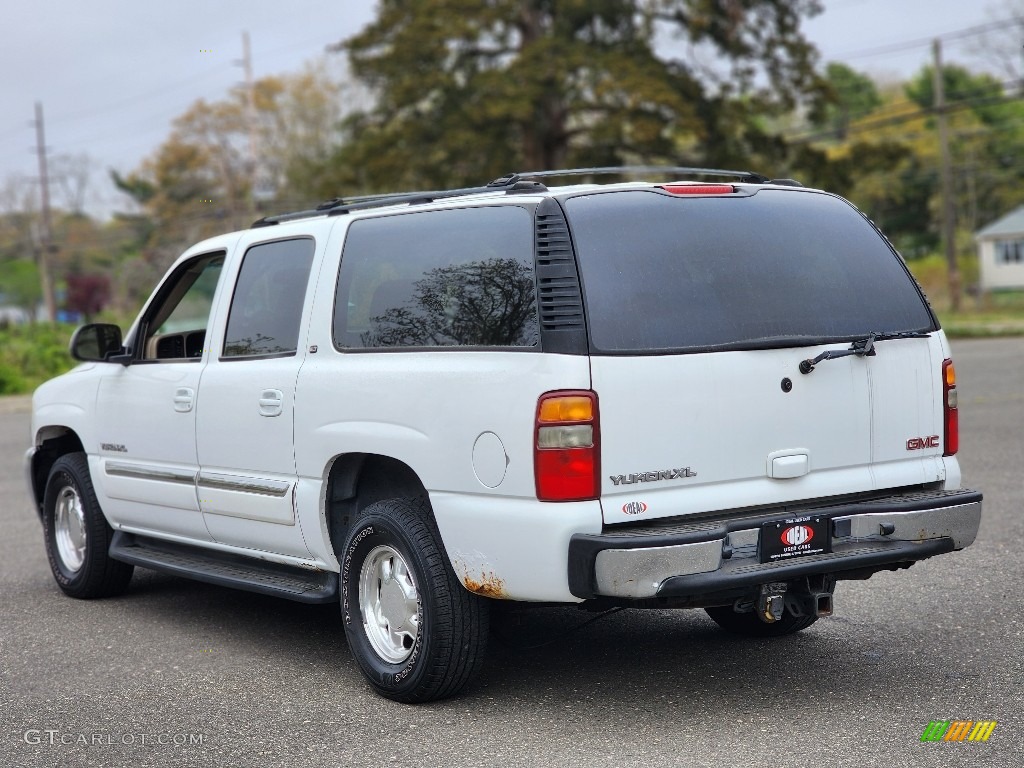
(52, 442)
(357, 480)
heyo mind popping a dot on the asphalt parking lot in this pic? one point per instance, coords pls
(182, 673)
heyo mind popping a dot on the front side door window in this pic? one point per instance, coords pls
(174, 328)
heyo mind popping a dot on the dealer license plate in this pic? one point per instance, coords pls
(796, 537)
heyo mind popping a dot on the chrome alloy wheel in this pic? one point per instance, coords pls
(389, 603)
(69, 528)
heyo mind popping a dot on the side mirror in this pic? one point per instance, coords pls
(96, 342)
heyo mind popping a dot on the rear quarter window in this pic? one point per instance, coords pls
(450, 278)
(664, 272)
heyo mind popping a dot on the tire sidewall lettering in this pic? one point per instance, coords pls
(346, 570)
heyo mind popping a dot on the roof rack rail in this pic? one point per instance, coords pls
(338, 206)
(748, 176)
(512, 182)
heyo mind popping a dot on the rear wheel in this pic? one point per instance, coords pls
(77, 535)
(415, 632)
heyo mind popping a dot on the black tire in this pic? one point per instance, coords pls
(749, 625)
(451, 624)
(87, 571)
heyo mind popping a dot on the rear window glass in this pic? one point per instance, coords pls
(462, 277)
(677, 273)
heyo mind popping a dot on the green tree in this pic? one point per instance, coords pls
(986, 141)
(849, 95)
(960, 86)
(465, 91)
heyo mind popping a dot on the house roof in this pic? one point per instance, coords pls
(1010, 224)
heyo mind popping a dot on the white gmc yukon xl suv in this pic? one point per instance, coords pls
(725, 395)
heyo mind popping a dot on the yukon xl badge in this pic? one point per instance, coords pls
(652, 477)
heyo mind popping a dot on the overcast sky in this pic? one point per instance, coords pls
(112, 74)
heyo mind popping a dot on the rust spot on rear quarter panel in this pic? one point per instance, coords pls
(489, 585)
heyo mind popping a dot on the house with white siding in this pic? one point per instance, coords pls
(1001, 252)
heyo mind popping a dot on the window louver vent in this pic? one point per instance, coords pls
(558, 284)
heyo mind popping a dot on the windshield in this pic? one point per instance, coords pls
(664, 272)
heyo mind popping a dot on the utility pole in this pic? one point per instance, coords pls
(250, 87)
(46, 238)
(948, 209)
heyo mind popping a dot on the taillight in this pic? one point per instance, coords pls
(699, 189)
(566, 448)
(949, 403)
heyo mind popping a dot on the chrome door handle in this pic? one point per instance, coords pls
(183, 398)
(271, 401)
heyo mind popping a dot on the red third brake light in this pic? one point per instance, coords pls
(949, 408)
(566, 448)
(699, 189)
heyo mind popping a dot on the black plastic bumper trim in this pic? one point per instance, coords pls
(891, 553)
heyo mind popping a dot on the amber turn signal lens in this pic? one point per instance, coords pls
(950, 374)
(569, 408)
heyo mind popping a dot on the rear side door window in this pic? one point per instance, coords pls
(450, 278)
(266, 309)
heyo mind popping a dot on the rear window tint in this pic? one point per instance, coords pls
(678, 273)
(462, 277)
(266, 309)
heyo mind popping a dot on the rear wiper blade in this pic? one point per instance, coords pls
(861, 347)
(901, 335)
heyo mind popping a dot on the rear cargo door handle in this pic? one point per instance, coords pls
(270, 402)
(785, 465)
(183, 398)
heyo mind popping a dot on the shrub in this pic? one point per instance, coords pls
(31, 354)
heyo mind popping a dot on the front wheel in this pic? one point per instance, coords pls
(415, 632)
(77, 535)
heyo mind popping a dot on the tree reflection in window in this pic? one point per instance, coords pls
(260, 345)
(477, 303)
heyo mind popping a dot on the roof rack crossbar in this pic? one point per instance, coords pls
(749, 176)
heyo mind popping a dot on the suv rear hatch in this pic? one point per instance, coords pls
(701, 308)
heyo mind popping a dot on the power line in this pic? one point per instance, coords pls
(908, 111)
(882, 50)
(163, 89)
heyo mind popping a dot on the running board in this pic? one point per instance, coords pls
(226, 569)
